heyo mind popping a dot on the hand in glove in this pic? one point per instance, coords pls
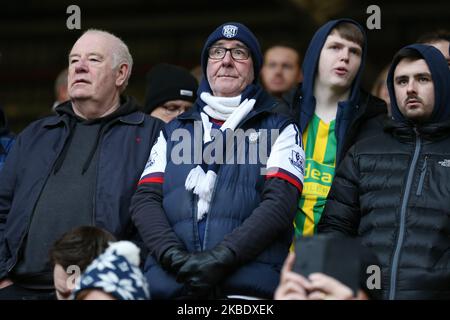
(173, 258)
(205, 269)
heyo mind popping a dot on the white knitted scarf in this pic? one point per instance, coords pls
(230, 110)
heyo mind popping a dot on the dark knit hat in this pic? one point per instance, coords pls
(167, 82)
(235, 31)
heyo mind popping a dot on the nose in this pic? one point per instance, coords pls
(227, 59)
(278, 69)
(345, 54)
(411, 88)
(81, 65)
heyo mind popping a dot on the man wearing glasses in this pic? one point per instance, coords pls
(221, 229)
(171, 90)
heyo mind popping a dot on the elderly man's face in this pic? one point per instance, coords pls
(91, 73)
(228, 77)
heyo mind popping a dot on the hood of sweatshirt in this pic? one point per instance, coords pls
(441, 79)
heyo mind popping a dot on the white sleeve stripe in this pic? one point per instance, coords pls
(157, 160)
(287, 153)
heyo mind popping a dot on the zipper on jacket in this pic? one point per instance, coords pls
(209, 211)
(196, 197)
(422, 177)
(194, 216)
(94, 194)
(403, 208)
(99, 150)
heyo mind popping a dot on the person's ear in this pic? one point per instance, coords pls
(121, 74)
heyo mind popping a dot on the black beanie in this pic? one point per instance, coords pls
(167, 82)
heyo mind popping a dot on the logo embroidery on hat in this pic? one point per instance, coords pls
(188, 93)
(445, 163)
(229, 31)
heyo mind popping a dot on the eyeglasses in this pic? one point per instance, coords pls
(218, 53)
(174, 110)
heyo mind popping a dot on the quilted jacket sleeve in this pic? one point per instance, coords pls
(342, 210)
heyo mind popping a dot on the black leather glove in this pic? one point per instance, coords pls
(205, 269)
(173, 258)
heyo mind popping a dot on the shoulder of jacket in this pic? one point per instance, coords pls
(371, 105)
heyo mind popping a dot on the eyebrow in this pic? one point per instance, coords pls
(334, 42)
(89, 54)
(400, 77)
(221, 43)
(421, 74)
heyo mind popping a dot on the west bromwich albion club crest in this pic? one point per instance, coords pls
(229, 31)
(297, 161)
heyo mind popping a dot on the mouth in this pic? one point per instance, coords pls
(277, 79)
(413, 102)
(341, 71)
(227, 76)
(80, 81)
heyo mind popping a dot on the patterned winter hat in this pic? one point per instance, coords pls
(116, 272)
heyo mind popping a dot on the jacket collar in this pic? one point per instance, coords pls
(407, 131)
(133, 118)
